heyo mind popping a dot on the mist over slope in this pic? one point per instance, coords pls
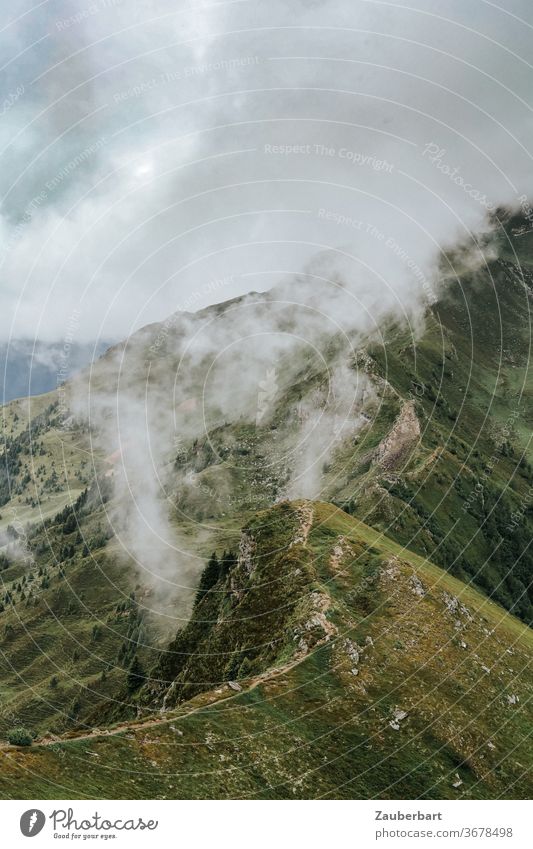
(419, 423)
(226, 431)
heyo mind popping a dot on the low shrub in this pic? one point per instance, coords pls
(19, 737)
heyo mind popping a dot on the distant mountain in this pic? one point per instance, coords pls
(32, 368)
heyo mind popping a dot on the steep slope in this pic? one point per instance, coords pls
(75, 611)
(438, 455)
(325, 661)
(43, 464)
(370, 671)
(463, 495)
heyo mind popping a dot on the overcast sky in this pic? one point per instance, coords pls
(160, 155)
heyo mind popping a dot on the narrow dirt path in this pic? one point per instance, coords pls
(163, 720)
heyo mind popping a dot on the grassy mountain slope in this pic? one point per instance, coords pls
(74, 616)
(463, 495)
(44, 465)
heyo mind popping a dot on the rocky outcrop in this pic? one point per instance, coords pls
(417, 587)
(317, 628)
(305, 517)
(394, 450)
(246, 552)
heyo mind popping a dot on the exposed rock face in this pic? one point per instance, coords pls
(456, 608)
(305, 516)
(353, 653)
(417, 587)
(394, 449)
(391, 572)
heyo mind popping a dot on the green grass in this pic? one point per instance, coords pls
(315, 729)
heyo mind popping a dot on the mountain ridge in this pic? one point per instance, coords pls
(414, 456)
(362, 682)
